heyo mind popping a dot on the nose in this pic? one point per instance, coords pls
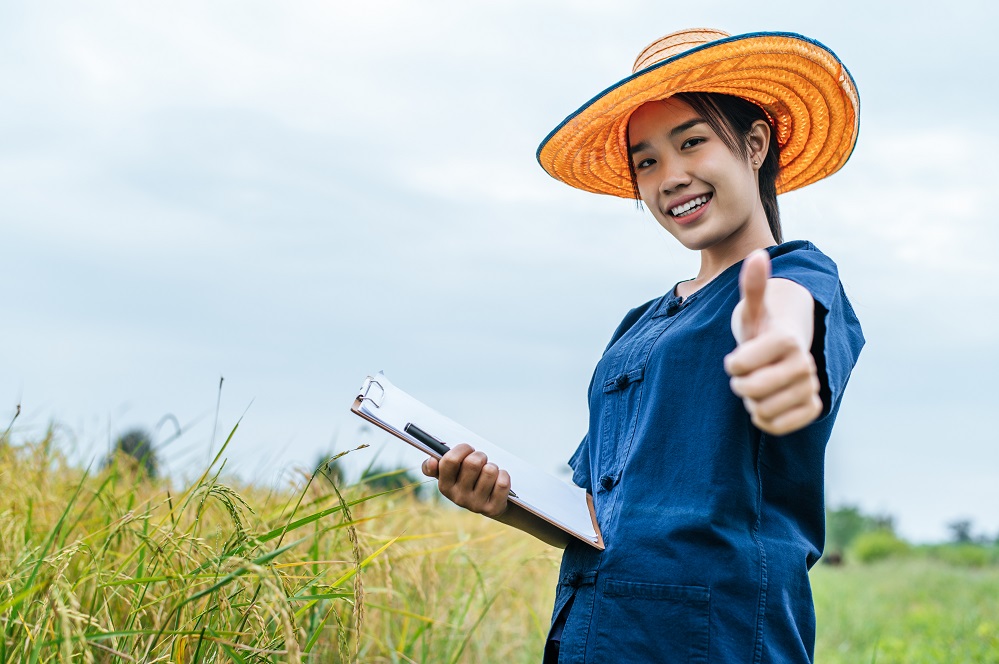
(674, 177)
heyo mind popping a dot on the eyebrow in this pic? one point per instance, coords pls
(673, 133)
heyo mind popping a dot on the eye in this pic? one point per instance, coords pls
(644, 163)
(691, 142)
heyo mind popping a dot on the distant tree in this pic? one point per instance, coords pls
(961, 531)
(881, 522)
(843, 525)
(137, 445)
(877, 545)
(846, 523)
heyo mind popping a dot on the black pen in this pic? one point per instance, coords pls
(425, 438)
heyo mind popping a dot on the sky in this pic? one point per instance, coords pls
(288, 197)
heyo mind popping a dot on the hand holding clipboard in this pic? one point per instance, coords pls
(565, 506)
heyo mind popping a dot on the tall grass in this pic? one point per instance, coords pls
(110, 566)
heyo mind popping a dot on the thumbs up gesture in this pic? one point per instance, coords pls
(772, 367)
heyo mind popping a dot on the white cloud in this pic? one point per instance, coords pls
(912, 209)
(478, 179)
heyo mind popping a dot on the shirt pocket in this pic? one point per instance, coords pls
(649, 622)
(622, 397)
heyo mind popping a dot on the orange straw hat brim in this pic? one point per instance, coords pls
(808, 93)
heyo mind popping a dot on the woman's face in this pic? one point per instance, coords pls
(706, 196)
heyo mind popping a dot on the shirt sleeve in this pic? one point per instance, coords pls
(579, 462)
(838, 336)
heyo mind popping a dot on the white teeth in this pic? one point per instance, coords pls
(689, 206)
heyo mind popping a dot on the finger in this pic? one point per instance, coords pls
(792, 420)
(486, 480)
(784, 401)
(760, 352)
(450, 465)
(471, 469)
(485, 485)
(773, 378)
(430, 467)
(752, 287)
(475, 482)
(498, 500)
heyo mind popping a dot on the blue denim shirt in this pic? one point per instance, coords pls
(710, 525)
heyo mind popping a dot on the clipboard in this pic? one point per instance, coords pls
(564, 505)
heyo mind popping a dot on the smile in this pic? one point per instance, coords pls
(690, 206)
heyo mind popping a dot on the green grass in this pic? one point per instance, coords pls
(913, 610)
(106, 566)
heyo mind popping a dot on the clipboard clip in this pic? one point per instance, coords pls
(365, 393)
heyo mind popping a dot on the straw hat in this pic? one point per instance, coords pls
(801, 84)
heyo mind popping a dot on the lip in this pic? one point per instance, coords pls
(690, 218)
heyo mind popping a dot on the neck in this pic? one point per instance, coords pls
(721, 256)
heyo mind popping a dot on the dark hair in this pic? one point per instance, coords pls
(731, 118)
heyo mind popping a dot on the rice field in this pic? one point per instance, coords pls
(109, 566)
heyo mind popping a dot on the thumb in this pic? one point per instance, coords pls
(752, 286)
(430, 467)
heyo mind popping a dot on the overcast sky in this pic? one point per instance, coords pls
(294, 195)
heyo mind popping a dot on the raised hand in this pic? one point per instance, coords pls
(772, 367)
(468, 479)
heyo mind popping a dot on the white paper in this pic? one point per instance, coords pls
(536, 489)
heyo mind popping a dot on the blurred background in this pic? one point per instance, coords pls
(293, 196)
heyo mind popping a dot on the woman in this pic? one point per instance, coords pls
(711, 406)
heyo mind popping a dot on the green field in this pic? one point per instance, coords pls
(112, 567)
(910, 611)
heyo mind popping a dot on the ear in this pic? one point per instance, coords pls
(759, 142)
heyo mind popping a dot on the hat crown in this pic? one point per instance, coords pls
(674, 44)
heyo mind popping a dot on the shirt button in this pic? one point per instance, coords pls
(607, 482)
(573, 579)
(622, 381)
